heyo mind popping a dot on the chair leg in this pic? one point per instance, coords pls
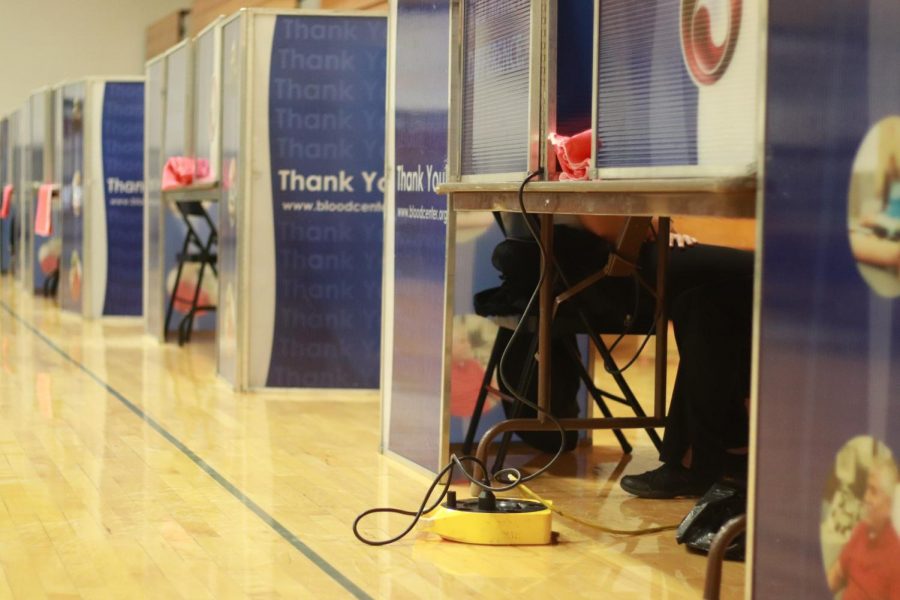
(207, 251)
(613, 370)
(184, 249)
(189, 318)
(503, 336)
(597, 395)
(184, 331)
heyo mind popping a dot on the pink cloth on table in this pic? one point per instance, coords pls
(182, 171)
(43, 224)
(7, 197)
(574, 154)
(206, 175)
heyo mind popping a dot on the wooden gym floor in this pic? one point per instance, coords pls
(128, 470)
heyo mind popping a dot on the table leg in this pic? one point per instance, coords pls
(545, 318)
(662, 322)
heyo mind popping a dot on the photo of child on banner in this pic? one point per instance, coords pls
(873, 213)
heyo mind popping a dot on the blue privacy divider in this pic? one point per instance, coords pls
(100, 174)
(829, 339)
(414, 425)
(301, 246)
(123, 187)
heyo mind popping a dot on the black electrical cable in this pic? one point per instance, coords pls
(633, 359)
(510, 476)
(629, 320)
(647, 336)
(519, 394)
(447, 470)
(638, 281)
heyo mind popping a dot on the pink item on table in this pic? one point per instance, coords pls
(43, 224)
(182, 171)
(574, 154)
(204, 173)
(7, 197)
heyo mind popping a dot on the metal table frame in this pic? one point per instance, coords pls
(731, 197)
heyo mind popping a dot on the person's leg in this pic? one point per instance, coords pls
(698, 265)
(708, 414)
(610, 300)
(710, 304)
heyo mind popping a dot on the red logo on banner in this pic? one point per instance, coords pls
(706, 59)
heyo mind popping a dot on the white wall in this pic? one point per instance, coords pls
(45, 41)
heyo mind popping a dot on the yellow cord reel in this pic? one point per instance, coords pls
(491, 521)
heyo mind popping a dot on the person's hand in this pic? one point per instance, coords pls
(681, 240)
(869, 220)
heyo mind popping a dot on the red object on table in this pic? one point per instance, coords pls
(181, 171)
(43, 224)
(7, 197)
(574, 154)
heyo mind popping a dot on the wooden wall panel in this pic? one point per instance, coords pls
(204, 12)
(166, 32)
(355, 4)
(735, 233)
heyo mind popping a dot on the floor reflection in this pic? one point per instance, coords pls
(96, 502)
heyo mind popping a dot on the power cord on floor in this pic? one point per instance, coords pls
(593, 524)
(509, 477)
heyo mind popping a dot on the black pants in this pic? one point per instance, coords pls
(710, 303)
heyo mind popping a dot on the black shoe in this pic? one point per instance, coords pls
(734, 466)
(667, 481)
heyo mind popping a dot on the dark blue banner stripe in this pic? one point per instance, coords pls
(123, 171)
(326, 138)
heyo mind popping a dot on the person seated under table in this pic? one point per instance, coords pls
(710, 303)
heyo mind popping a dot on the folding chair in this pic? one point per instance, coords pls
(195, 250)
